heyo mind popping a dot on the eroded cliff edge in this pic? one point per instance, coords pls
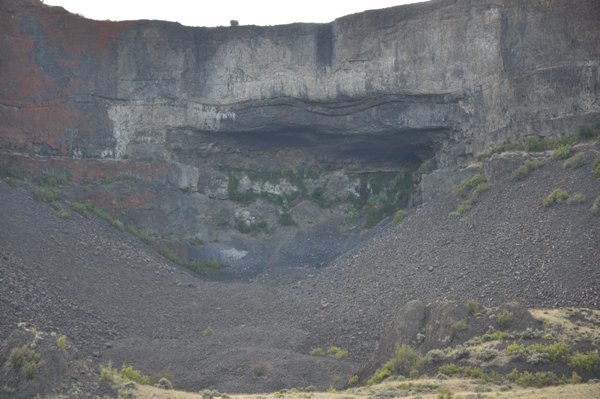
(383, 90)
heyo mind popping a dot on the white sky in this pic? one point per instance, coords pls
(220, 12)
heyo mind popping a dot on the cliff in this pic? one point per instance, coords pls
(384, 88)
(199, 114)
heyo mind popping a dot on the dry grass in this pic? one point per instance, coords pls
(459, 386)
(566, 323)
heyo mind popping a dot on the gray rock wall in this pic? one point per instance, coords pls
(381, 89)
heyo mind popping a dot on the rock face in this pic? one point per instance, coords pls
(377, 89)
(383, 90)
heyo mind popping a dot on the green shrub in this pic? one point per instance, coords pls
(164, 383)
(456, 327)
(339, 353)
(536, 358)
(46, 194)
(595, 209)
(522, 171)
(597, 166)
(399, 216)
(286, 219)
(414, 374)
(557, 196)
(131, 374)
(145, 238)
(62, 213)
(260, 370)
(208, 332)
(453, 369)
(562, 152)
(472, 306)
(435, 356)
(108, 373)
(62, 342)
(557, 351)
(20, 357)
(584, 362)
(106, 217)
(353, 381)
(50, 180)
(504, 318)
(83, 209)
(577, 198)
(404, 358)
(575, 162)
(29, 369)
(486, 355)
(462, 189)
(317, 352)
(380, 374)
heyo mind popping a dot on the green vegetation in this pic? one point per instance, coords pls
(585, 362)
(589, 130)
(203, 268)
(556, 352)
(382, 194)
(595, 209)
(456, 327)
(472, 306)
(577, 198)
(530, 144)
(317, 352)
(46, 194)
(129, 373)
(475, 185)
(248, 227)
(522, 171)
(504, 318)
(465, 187)
(164, 383)
(452, 369)
(338, 353)
(575, 162)
(404, 358)
(46, 188)
(286, 219)
(260, 370)
(61, 342)
(414, 374)
(562, 152)
(25, 359)
(108, 373)
(540, 379)
(597, 167)
(558, 196)
(399, 216)
(145, 238)
(50, 180)
(62, 213)
(81, 208)
(208, 332)
(353, 381)
(85, 210)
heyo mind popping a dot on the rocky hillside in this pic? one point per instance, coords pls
(118, 300)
